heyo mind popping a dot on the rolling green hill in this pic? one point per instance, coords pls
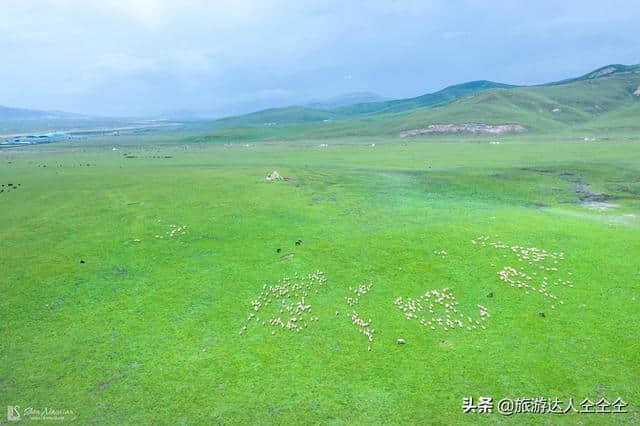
(603, 99)
(347, 100)
(277, 116)
(318, 113)
(441, 97)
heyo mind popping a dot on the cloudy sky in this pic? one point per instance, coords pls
(222, 57)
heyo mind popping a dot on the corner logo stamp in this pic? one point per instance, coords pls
(13, 415)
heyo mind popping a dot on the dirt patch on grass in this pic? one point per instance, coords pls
(586, 196)
(468, 128)
(595, 197)
(532, 169)
(593, 200)
(106, 384)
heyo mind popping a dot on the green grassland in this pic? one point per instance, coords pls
(137, 270)
(148, 329)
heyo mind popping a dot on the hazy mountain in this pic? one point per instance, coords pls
(16, 114)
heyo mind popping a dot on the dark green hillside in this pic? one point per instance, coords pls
(443, 96)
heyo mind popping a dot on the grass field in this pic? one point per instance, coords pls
(110, 311)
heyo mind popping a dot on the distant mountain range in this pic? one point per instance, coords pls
(608, 95)
(19, 114)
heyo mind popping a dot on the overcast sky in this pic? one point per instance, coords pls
(221, 57)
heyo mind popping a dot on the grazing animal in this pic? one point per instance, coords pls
(298, 242)
(401, 341)
(541, 314)
(81, 261)
(278, 250)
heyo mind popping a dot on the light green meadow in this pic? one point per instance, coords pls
(149, 329)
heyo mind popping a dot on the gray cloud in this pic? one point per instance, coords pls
(141, 57)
